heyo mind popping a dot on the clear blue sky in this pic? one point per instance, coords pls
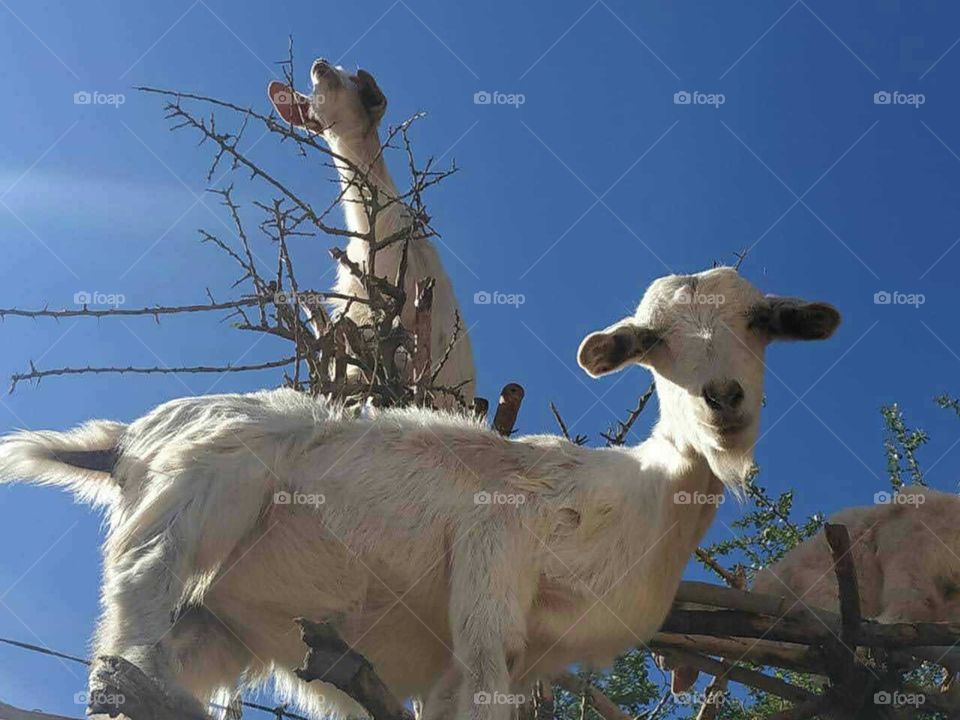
(577, 199)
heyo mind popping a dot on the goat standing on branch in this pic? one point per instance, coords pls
(463, 565)
(346, 110)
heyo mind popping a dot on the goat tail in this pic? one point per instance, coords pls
(81, 460)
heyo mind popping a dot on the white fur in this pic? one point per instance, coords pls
(34, 455)
(350, 129)
(907, 557)
(447, 597)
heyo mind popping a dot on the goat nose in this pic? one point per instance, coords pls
(320, 68)
(723, 395)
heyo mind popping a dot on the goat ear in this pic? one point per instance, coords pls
(794, 319)
(611, 349)
(370, 93)
(292, 106)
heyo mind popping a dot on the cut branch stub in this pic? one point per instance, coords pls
(507, 410)
(329, 659)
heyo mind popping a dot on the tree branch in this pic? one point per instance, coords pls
(38, 375)
(329, 659)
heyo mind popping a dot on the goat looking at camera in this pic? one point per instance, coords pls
(462, 564)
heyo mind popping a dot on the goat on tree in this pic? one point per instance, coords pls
(462, 564)
(386, 343)
(346, 111)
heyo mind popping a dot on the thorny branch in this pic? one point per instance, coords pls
(618, 436)
(359, 362)
(38, 375)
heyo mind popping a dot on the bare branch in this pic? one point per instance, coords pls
(604, 706)
(155, 311)
(579, 439)
(329, 659)
(619, 436)
(38, 375)
(741, 675)
(120, 688)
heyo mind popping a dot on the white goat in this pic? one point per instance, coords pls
(462, 564)
(907, 555)
(346, 111)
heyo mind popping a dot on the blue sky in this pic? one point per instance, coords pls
(597, 184)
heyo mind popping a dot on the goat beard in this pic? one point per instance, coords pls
(733, 470)
(734, 466)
